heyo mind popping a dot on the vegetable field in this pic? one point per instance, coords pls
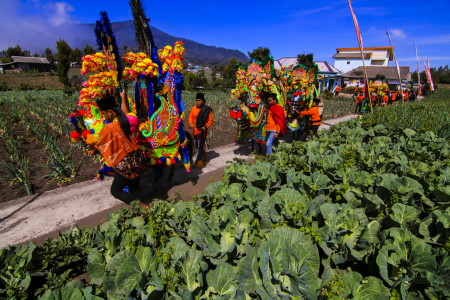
(359, 212)
(37, 154)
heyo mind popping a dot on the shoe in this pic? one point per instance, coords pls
(200, 164)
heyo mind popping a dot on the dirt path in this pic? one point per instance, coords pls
(37, 217)
(42, 215)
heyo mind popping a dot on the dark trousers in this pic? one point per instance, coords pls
(314, 128)
(119, 183)
(358, 107)
(200, 140)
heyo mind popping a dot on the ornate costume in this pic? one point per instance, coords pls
(159, 77)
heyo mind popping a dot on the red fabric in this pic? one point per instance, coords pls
(81, 112)
(278, 115)
(75, 135)
(86, 132)
(233, 114)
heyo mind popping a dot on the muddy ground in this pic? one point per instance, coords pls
(34, 151)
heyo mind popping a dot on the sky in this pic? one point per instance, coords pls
(287, 27)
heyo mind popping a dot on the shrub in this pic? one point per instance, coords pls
(351, 90)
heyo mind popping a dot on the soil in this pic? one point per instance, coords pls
(15, 80)
(34, 151)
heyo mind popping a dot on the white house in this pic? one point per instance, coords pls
(332, 75)
(347, 59)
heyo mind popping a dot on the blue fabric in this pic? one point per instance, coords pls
(269, 142)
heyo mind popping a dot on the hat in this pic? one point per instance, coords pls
(107, 103)
(200, 96)
(272, 95)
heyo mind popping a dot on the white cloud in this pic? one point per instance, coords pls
(431, 58)
(398, 33)
(434, 39)
(58, 13)
(41, 26)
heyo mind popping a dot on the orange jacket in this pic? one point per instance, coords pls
(386, 98)
(359, 99)
(338, 89)
(193, 119)
(405, 95)
(315, 115)
(271, 124)
(394, 96)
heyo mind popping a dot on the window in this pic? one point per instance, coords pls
(348, 62)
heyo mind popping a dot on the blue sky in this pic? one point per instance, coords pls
(287, 27)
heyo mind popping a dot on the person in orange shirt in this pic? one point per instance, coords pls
(405, 95)
(385, 98)
(201, 118)
(394, 96)
(314, 112)
(276, 125)
(337, 90)
(358, 102)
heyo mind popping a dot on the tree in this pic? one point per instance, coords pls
(380, 77)
(62, 57)
(259, 54)
(306, 59)
(16, 51)
(49, 55)
(5, 60)
(36, 54)
(214, 72)
(75, 55)
(229, 71)
(88, 50)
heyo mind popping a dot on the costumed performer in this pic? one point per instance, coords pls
(358, 102)
(337, 90)
(276, 122)
(386, 97)
(116, 143)
(201, 118)
(315, 120)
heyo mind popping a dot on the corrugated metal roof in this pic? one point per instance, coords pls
(326, 67)
(372, 72)
(30, 60)
(352, 55)
(323, 65)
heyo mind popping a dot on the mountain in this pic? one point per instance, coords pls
(195, 52)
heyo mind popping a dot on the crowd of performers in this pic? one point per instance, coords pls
(381, 97)
(133, 134)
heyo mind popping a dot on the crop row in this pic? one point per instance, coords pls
(38, 112)
(355, 213)
(430, 114)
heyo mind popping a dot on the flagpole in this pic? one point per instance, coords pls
(398, 68)
(418, 73)
(366, 89)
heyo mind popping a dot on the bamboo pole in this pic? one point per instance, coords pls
(398, 68)
(366, 88)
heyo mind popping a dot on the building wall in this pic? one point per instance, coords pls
(343, 65)
(379, 58)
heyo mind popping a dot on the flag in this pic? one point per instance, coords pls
(358, 33)
(431, 79)
(396, 64)
(428, 73)
(418, 72)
